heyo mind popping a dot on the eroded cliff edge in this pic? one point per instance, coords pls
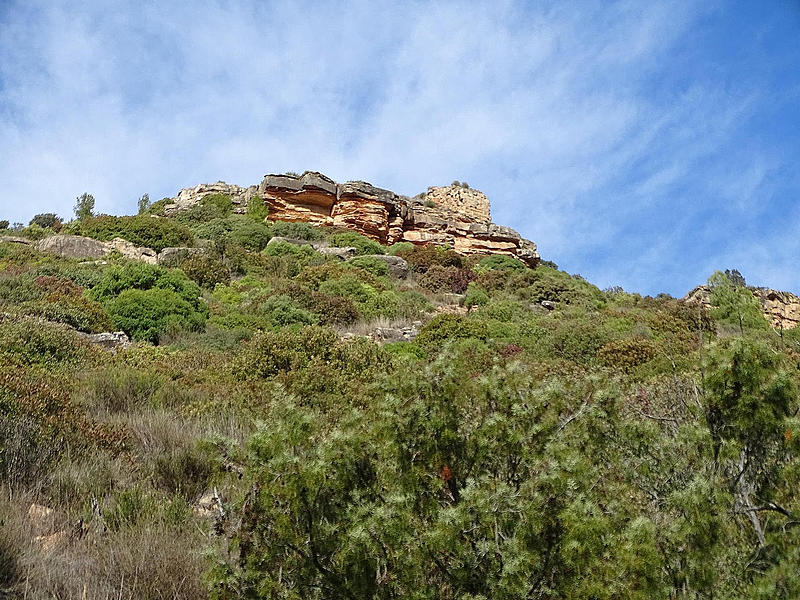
(452, 216)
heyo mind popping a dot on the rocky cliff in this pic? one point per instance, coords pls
(451, 216)
(782, 309)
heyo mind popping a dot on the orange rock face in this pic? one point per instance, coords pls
(459, 220)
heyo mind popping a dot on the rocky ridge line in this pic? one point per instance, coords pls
(452, 216)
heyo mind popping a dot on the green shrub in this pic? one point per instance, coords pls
(235, 229)
(348, 286)
(47, 221)
(34, 342)
(296, 231)
(4, 224)
(146, 314)
(140, 230)
(351, 239)
(399, 247)
(257, 208)
(370, 264)
(420, 258)
(625, 354)
(281, 311)
(270, 353)
(446, 279)
(222, 202)
(141, 276)
(446, 327)
(334, 310)
(288, 249)
(475, 297)
(500, 262)
(206, 271)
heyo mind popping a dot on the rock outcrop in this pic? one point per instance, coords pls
(782, 309)
(451, 216)
(188, 197)
(77, 246)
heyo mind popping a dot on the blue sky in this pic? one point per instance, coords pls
(641, 144)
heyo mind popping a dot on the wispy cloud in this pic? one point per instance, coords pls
(621, 137)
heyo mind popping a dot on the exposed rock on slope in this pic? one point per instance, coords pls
(452, 216)
(77, 246)
(782, 309)
(188, 197)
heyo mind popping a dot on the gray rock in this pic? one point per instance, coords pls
(10, 239)
(341, 253)
(73, 246)
(116, 340)
(132, 251)
(548, 305)
(306, 181)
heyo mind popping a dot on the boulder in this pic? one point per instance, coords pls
(132, 251)
(11, 239)
(73, 246)
(345, 253)
(110, 340)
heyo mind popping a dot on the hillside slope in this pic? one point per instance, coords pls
(291, 410)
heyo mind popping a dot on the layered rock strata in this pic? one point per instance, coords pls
(452, 216)
(782, 309)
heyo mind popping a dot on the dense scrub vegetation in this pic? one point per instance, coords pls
(539, 438)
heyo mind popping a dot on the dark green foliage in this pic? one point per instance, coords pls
(235, 229)
(144, 204)
(146, 314)
(420, 258)
(257, 208)
(221, 201)
(47, 220)
(84, 206)
(734, 304)
(501, 262)
(296, 231)
(39, 343)
(446, 279)
(442, 328)
(396, 249)
(146, 301)
(475, 297)
(351, 239)
(287, 249)
(606, 446)
(140, 230)
(270, 353)
(4, 224)
(205, 270)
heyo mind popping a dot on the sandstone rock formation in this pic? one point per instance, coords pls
(451, 216)
(465, 201)
(782, 309)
